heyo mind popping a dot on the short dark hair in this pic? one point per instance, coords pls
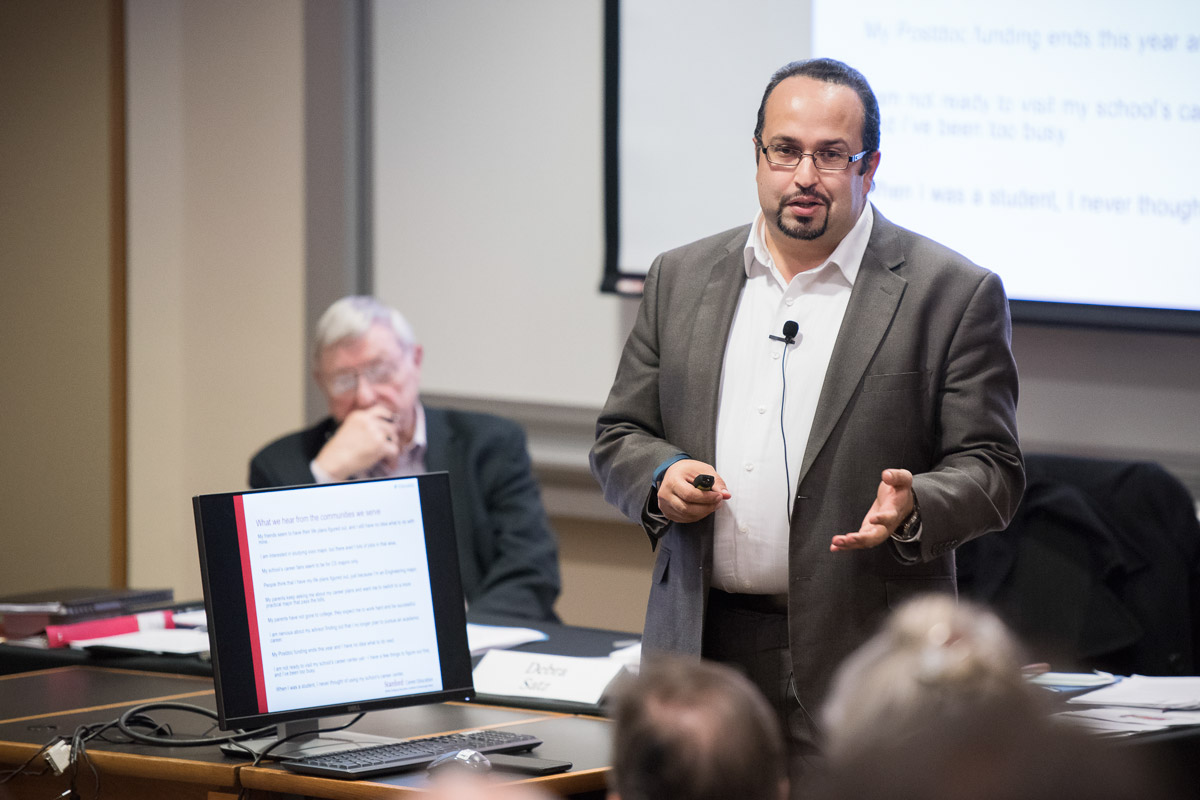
(830, 71)
(689, 729)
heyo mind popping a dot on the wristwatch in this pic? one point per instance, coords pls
(907, 530)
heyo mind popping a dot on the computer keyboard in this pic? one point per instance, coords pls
(410, 754)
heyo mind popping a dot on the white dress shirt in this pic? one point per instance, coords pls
(752, 529)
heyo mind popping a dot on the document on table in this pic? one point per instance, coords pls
(1109, 721)
(1141, 691)
(481, 638)
(630, 655)
(196, 618)
(167, 641)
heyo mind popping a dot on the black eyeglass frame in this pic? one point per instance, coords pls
(849, 159)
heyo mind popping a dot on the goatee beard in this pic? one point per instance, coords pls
(796, 232)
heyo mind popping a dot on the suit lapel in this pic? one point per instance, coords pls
(710, 333)
(873, 303)
(437, 441)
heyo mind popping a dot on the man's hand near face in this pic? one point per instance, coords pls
(365, 438)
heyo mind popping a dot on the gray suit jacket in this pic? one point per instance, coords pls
(921, 377)
(507, 552)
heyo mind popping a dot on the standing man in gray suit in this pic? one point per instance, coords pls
(847, 384)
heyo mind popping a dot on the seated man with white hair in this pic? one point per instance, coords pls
(368, 365)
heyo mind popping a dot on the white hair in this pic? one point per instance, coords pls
(351, 318)
(934, 658)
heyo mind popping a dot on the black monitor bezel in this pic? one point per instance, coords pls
(228, 621)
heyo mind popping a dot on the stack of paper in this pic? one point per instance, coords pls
(1111, 721)
(1136, 705)
(1140, 691)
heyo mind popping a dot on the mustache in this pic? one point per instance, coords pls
(809, 196)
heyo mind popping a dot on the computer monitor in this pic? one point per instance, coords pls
(330, 600)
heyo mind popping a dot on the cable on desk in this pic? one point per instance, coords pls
(79, 754)
(160, 736)
(258, 757)
(126, 725)
(137, 715)
(8, 776)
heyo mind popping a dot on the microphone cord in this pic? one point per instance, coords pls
(787, 475)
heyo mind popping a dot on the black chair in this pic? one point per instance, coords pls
(1100, 568)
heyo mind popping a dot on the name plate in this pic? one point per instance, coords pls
(547, 677)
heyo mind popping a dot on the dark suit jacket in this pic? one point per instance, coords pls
(507, 552)
(1099, 569)
(921, 377)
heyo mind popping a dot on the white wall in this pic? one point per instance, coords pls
(489, 196)
(216, 259)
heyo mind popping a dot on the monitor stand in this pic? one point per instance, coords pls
(303, 739)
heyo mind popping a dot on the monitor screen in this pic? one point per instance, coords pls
(332, 599)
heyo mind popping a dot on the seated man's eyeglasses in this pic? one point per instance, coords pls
(828, 160)
(346, 381)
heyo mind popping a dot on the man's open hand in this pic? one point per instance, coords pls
(893, 502)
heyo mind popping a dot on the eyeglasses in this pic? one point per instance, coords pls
(375, 373)
(828, 160)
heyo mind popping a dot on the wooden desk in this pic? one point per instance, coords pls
(581, 740)
(37, 706)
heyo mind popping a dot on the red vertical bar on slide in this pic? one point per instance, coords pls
(260, 684)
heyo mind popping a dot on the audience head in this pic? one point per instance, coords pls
(459, 785)
(935, 707)
(997, 753)
(366, 355)
(934, 659)
(688, 729)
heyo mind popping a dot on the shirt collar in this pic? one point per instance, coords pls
(847, 256)
(420, 438)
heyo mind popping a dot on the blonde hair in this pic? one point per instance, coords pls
(934, 659)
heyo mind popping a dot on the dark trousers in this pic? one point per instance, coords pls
(750, 633)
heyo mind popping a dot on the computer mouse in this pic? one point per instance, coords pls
(465, 759)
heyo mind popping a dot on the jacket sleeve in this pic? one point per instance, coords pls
(285, 462)
(516, 551)
(630, 437)
(978, 478)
